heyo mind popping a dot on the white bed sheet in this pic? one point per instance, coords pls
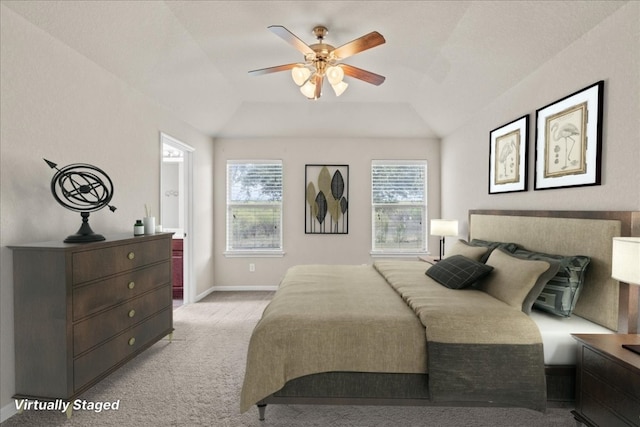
(559, 346)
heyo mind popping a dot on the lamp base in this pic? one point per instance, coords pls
(632, 347)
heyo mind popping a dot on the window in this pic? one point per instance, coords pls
(399, 206)
(254, 206)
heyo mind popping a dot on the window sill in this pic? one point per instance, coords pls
(377, 254)
(254, 254)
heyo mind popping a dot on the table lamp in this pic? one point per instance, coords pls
(626, 268)
(442, 228)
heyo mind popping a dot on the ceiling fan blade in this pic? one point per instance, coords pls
(275, 69)
(364, 75)
(319, 81)
(292, 39)
(358, 45)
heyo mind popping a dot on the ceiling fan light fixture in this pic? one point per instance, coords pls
(300, 74)
(339, 88)
(335, 74)
(308, 89)
(321, 60)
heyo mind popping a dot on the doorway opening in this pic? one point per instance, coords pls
(176, 206)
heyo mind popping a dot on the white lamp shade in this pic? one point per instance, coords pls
(626, 259)
(339, 88)
(335, 74)
(300, 74)
(444, 227)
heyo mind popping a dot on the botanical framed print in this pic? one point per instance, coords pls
(569, 140)
(508, 157)
(327, 199)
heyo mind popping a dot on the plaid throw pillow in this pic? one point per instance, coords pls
(458, 272)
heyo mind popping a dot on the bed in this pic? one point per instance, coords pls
(389, 334)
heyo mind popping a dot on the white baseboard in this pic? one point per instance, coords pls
(8, 411)
(235, 289)
(245, 288)
(203, 294)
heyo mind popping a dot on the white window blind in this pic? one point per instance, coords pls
(399, 206)
(254, 206)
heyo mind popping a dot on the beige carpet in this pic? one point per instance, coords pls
(195, 381)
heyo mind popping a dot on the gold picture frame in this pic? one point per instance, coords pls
(569, 140)
(508, 157)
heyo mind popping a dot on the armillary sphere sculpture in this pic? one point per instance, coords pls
(82, 188)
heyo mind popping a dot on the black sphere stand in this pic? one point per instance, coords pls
(82, 188)
(85, 234)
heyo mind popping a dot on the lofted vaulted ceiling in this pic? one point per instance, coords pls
(443, 60)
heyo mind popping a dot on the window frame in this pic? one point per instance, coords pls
(401, 252)
(255, 252)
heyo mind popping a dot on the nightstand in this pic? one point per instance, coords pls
(607, 381)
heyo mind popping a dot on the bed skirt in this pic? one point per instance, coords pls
(365, 388)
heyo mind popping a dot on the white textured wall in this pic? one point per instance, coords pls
(609, 52)
(59, 105)
(301, 248)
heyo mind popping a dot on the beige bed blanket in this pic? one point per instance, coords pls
(327, 318)
(480, 349)
(309, 328)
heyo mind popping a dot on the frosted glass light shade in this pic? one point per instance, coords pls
(300, 75)
(309, 89)
(444, 227)
(335, 75)
(339, 88)
(626, 259)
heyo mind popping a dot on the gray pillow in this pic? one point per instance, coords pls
(560, 294)
(509, 247)
(458, 272)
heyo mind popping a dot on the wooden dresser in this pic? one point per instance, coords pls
(83, 310)
(607, 381)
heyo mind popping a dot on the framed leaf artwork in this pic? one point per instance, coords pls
(326, 199)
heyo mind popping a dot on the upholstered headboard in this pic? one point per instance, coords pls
(586, 233)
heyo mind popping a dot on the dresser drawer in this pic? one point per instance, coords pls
(95, 264)
(100, 295)
(600, 415)
(614, 373)
(97, 362)
(607, 405)
(94, 330)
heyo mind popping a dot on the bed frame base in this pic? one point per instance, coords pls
(357, 401)
(262, 405)
(316, 389)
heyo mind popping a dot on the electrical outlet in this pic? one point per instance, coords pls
(252, 267)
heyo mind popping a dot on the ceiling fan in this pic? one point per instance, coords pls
(323, 60)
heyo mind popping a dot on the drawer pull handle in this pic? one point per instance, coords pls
(131, 255)
(132, 313)
(132, 341)
(131, 285)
